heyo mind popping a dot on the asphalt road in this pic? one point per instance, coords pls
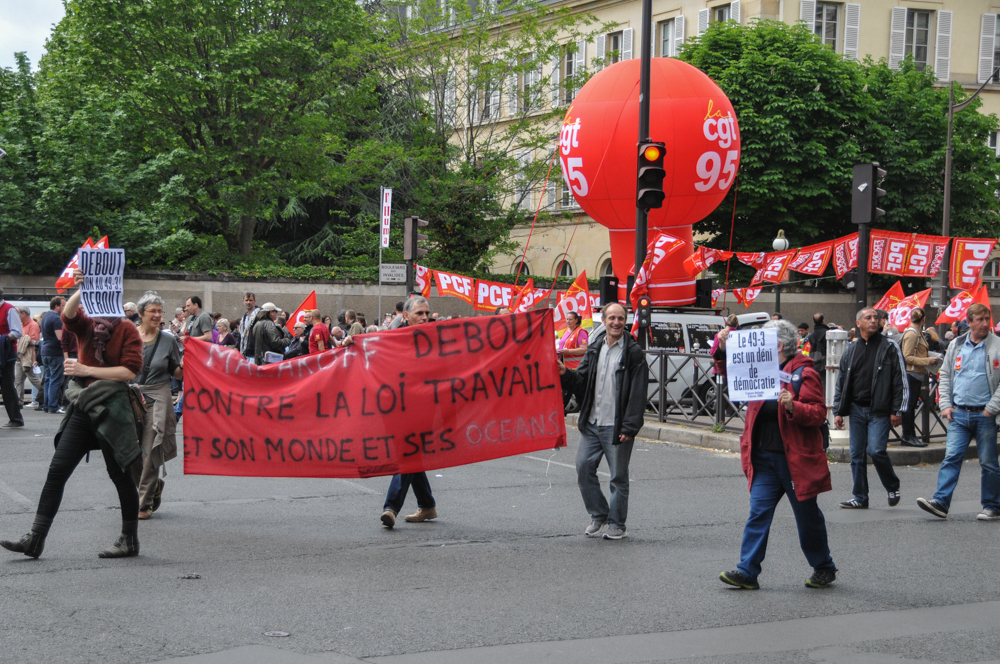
(504, 575)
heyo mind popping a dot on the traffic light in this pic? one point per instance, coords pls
(412, 237)
(865, 193)
(644, 312)
(650, 187)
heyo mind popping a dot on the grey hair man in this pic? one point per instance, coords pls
(872, 389)
(246, 324)
(131, 312)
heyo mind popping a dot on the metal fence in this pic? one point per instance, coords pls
(683, 390)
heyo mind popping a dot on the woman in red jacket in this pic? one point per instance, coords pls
(782, 453)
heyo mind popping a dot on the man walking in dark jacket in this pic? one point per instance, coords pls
(610, 386)
(873, 391)
(817, 344)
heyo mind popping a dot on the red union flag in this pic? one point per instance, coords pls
(422, 279)
(845, 254)
(900, 316)
(716, 294)
(892, 297)
(577, 300)
(754, 259)
(307, 306)
(455, 285)
(813, 260)
(703, 258)
(416, 398)
(958, 306)
(491, 294)
(926, 253)
(746, 296)
(65, 279)
(888, 252)
(531, 298)
(774, 268)
(968, 257)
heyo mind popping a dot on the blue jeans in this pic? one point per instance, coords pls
(869, 438)
(596, 442)
(400, 484)
(53, 366)
(771, 481)
(964, 425)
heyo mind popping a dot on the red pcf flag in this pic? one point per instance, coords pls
(775, 266)
(958, 306)
(455, 285)
(888, 252)
(845, 254)
(407, 400)
(968, 256)
(307, 306)
(813, 260)
(422, 279)
(926, 254)
(491, 294)
(900, 316)
(892, 297)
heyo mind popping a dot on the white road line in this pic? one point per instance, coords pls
(359, 487)
(564, 465)
(15, 495)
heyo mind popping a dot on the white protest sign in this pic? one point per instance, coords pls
(752, 365)
(103, 282)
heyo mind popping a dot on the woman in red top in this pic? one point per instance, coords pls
(110, 350)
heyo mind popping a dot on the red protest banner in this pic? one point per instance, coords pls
(968, 256)
(888, 251)
(892, 297)
(401, 401)
(845, 254)
(754, 259)
(959, 305)
(926, 252)
(813, 260)
(491, 294)
(900, 315)
(455, 285)
(774, 268)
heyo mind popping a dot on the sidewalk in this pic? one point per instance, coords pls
(839, 450)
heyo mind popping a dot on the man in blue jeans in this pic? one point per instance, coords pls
(52, 354)
(971, 402)
(873, 390)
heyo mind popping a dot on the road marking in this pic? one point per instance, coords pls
(15, 495)
(564, 465)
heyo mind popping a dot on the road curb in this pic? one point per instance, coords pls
(695, 436)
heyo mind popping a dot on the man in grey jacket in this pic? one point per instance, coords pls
(266, 335)
(970, 401)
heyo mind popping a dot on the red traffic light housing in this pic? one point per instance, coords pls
(649, 189)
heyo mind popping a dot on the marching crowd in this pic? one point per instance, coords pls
(129, 370)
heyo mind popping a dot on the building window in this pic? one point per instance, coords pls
(614, 48)
(918, 29)
(569, 69)
(523, 268)
(522, 189)
(567, 202)
(994, 143)
(667, 38)
(565, 269)
(996, 50)
(720, 14)
(826, 23)
(606, 269)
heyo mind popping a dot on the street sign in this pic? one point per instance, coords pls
(386, 213)
(392, 273)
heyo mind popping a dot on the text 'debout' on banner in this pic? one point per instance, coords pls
(416, 398)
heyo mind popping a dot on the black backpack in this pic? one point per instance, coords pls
(823, 428)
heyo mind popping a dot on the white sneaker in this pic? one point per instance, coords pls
(595, 528)
(988, 515)
(615, 533)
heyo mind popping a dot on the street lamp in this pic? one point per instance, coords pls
(780, 243)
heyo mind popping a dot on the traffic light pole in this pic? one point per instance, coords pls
(861, 288)
(641, 213)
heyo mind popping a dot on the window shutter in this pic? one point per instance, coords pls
(600, 45)
(494, 103)
(734, 11)
(807, 13)
(554, 79)
(897, 37)
(525, 162)
(652, 40)
(627, 44)
(678, 34)
(550, 195)
(942, 46)
(512, 90)
(702, 21)
(409, 12)
(449, 96)
(580, 59)
(986, 46)
(472, 95)
(852, 31)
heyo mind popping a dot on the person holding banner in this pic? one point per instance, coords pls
(610, 386)
(873, 390)
(416, 311)
(782, 454)
(99, 417)
(572, 345)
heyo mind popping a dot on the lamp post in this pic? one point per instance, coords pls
(780, 243)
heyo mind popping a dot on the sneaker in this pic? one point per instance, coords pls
(36, 406)
(739, 579)
(932, 506)
(422, 515)
(893, 498)
(821, 578)
(61, 411)
(13, 425)
(388, 518)
(615, 533)
(595, 528)
(146, 513)
(988, 515)
(854, 504)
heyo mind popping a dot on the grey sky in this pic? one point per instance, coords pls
(24, 26)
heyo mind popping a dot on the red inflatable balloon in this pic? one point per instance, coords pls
(598, 151)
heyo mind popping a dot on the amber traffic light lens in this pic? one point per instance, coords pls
(652, 153)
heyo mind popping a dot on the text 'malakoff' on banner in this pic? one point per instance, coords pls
(752, 366)
(416, 398)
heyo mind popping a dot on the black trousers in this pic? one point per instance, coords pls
(77, 439)
(11, 399)
(909, 417)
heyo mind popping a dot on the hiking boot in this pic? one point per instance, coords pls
(30, 545)
(854, 504)
(388, 518)
(739, 579)
(422, 515)
(893, 498)
(615, 533)
(125, 546)
(821, 578)
(595, 528)
(988, 515)
(932, 506)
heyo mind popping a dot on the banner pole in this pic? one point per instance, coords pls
(381, 198)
